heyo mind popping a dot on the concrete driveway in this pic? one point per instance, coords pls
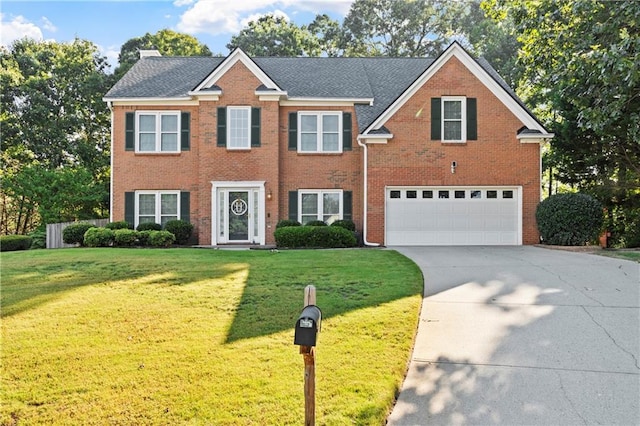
(523, 336)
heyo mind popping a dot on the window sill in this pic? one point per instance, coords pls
(318, 153)
(159, 154)
(453, 142)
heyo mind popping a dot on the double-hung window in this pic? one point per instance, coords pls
(453, 119)
(158, 131)
(157, 206)
(320, 131)
(239, 127)
(324, 205)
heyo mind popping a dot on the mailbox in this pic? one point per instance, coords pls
(307, 326)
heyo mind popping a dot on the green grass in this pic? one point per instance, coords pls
(622, 254)
(188, 336)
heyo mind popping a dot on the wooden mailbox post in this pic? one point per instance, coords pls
(307, 327)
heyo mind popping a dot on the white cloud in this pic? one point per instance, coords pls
(48, 25)
(229, 16)
(277, 13)
(16, 28)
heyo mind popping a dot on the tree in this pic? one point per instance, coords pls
(272, 35)
(167, 42)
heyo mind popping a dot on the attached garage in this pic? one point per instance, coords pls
(453, 216)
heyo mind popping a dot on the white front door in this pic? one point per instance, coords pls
(238, 212)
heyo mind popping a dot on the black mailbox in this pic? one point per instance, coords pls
(307, 326)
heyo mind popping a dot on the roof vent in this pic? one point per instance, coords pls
(148, 53)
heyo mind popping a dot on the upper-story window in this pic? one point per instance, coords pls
(238, 127)
(158, 131)
(454, 119)
(320, 132)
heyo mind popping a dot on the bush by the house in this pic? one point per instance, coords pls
(569, 219)
(287, 222)
(126, 237)
(181, 229)
(346, 224)
(14, 242)
(314, 237)
(123, 224)
(315, 223)
(143, 237)
(161, 238)
(149, 226)
(74, 234)
(99, 237)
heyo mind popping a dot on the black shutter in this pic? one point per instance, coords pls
(347, 205)
(293, 205)
(293, 131)
(255, 127)
(472, 119)
(435, 119)
(130, 208)
(346, 131)
(185, 131)
(130, 131)
(222, 126)
(185, 205)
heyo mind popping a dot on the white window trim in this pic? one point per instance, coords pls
(320, 193)
(319, 115)
(463, 120)
(158, 131)
(236, 108)
(158, 208)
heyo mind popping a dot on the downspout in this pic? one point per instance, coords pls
(110, 106)
(364, 220)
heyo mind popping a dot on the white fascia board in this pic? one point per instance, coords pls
(151, 101)
(455, 50)
(541, 138)
(230, 61)
(375, 138)
(309, 101)
(271, 95)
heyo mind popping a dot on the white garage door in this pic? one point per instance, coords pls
(453, 216)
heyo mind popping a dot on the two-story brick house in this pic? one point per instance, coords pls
(414, 150)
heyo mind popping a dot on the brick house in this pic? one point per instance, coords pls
(415, 151)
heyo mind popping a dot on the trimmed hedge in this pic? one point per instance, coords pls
(14, 242)
(315, 223)
(126, 237)
(314, 237)
(149, 226)
(346, 224)
(569, 219)
(287, 222)
(181, 229)
(123, 224)
(161, 238)
(99, 237)
(74, 234)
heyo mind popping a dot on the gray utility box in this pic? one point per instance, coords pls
(308, 326)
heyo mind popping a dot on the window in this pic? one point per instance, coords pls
(412, 194)
(443, 194)
(492, 194)
(320, 205)
(394, 194)
(427, 194)
(157, 206)
(320, 132)
(507, 194)
(476, 194)
(239, 127)
(158, 131)
(459, 194)
(453, 119)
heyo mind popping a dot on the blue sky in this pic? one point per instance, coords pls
(109, 24)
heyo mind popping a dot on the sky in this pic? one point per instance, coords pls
(109, 24)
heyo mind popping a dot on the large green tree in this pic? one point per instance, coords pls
(53, 121)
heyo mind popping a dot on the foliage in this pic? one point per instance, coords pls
(74, 233)
(346, 224)
(272, 35)
(14, 242)
(287, 222)
(167, 42)
(123, 224)
(161, 238)
(569, 219)
(149, 226)
(181, 229)
(125, 237)
(314, 237)
(144, 237)
(38, 239)
(315, 223)
(99, 237)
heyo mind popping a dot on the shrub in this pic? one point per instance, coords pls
(346, 224)
(125, 237)
(315, 223)
(14, 242)
(98, 237)
(287, 222)
(143, 237)
(161, 238)
(74, 234)
(314, 236)
(569, 219)
(181, 229)
(38, 240)
(149, 226)
(123, 224)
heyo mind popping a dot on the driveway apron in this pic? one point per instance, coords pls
(523, 336)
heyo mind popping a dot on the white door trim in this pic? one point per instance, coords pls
(258, 186)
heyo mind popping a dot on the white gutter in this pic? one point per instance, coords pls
(110, 106)
(364, 219)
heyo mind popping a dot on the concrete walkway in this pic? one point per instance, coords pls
(523, 336)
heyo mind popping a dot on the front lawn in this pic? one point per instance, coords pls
(176, 336)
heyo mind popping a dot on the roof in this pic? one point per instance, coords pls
(375, 84)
